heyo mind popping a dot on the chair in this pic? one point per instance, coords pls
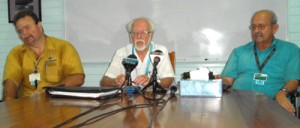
(295, 100)
(172, 59)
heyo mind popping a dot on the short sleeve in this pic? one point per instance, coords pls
(292, 71)
(13, 66)
(71, 63)
(165, 69)
(230, 69)
(116, 68)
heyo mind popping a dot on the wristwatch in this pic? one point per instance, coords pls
(286, 89)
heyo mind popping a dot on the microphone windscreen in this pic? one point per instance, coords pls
(173, 88)
(157, 52)
(132, 56)
(130, 63)
(156, 57)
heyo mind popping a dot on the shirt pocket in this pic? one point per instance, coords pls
(275, 67)
(52, 71)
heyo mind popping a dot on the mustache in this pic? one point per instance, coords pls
(25, 36)
(139, 40)
(258, 35)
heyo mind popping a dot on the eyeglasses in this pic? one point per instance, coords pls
(144, 33)
(26, 27)
(260, 27)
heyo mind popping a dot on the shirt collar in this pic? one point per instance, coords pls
(274, 42)
(48, 46)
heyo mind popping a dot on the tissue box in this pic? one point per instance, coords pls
(205, 88)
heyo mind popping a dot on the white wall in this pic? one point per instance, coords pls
(197, 30)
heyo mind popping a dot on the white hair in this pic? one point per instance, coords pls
(129, 25)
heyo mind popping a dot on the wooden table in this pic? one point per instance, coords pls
(237, 109)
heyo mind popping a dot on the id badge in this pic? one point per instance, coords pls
(260, 78)
(33, 77)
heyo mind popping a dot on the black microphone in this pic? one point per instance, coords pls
(156, 57)
(156, 61)
(130, 63)
(173, 90)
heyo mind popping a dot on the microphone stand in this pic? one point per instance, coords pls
(156, 87)
(154, 80)
(130, 89)
(128, 78)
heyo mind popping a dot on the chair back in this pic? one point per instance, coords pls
(172, 59)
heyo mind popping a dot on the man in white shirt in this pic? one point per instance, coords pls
(141, 32)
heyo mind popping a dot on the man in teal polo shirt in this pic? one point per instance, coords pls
(266, 64)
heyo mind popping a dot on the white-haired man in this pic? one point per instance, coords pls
(141, 32)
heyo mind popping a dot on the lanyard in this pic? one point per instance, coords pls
(260, 67)
(34, 74)
(148, 63)
(36, 64)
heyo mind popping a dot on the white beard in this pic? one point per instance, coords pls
(143, 47)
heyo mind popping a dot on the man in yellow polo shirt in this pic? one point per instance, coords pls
(41, 61)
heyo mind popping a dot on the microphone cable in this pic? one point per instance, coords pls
(159, 110)
(104, 115)
(143, 93)
(173, 90)
(92, 109)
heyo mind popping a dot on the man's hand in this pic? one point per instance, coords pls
(37, 92)
(141, 80)
(227, 82)
(119, 80)
(284, 102)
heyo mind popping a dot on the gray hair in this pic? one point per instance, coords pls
(273, 15)
(129, 25)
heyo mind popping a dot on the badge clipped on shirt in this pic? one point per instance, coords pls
(260, 78)
(34, 77)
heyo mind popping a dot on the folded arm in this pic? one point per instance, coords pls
(72, 80)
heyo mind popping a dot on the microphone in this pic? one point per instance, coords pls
(130, 63)
(156, 61)
(156, 57)
(173, 90)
